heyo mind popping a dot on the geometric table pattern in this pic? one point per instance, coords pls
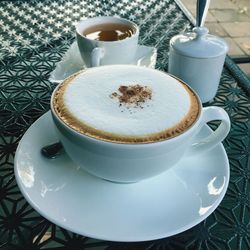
(33, 37)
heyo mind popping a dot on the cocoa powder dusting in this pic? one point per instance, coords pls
(133, 95)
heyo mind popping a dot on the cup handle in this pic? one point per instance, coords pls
(96, 56)
(207, 143)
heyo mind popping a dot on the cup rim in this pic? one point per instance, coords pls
(136, 34)
(100, 140)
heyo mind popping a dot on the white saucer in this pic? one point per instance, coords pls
(151, 209)
(72, 61)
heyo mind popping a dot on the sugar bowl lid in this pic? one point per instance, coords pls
(199, 44)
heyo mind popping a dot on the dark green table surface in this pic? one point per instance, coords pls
(33, 37)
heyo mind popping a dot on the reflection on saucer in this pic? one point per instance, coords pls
(155, 208)
(72, 61)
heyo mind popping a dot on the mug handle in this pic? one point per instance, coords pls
(96, 55)
(207, 143)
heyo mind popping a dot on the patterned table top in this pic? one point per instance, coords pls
(33, 37)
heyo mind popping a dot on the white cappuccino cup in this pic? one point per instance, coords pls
(95, 51)
(126, 123)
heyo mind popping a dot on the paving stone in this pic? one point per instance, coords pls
(192, 10)
(245, 67)
(230, 15)
(234, 49)
(243, 43)
(237, 29)
(222, 4)
(243, 3)
(244, 6)
(246, 2)
(210, 17)
(216, 29)
(189, 3)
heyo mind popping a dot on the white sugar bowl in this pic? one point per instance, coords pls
(197, 58)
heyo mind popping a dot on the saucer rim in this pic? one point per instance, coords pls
(84, 67)
(124, 239)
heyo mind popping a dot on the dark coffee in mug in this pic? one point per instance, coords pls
(109, 32)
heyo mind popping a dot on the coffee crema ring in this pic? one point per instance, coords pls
(130, 96)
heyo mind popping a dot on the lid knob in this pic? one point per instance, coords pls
(201, 32)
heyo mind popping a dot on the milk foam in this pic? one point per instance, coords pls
(88, 98)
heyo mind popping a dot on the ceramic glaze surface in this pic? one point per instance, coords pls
(71, 62)
(197, 58)
(147, 210)
(96, 53)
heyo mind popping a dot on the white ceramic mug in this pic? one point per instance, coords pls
(134, 162)
(96, 53)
